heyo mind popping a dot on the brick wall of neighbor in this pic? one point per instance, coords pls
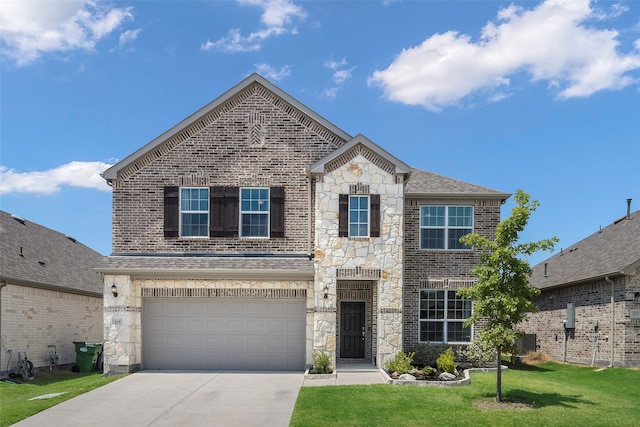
(593, 303)
(34, 318)
(435, 265)
(257, 140)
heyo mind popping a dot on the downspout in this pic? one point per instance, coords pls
(3, 283)
(613, 319)
(309, 207)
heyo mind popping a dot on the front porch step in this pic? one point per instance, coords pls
(355, 368)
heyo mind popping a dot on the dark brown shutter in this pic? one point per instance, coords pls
(171, 212)
(216, 211)
(230, 217)
(277, 211)
(374, 229)
(343, 216)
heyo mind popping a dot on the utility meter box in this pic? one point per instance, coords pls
(571, 316)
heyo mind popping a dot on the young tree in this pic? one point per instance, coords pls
(502, 296)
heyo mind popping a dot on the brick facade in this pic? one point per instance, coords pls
(224, 153)
(33, 319)
(587, 344)
(421, 265)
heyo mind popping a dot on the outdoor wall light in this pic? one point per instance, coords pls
(326, 291)
(636, 298)
(114, 290)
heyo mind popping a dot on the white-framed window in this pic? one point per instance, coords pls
(254, 212)
(194, 212)
(442, 226)
(358, 216)
(442, 313)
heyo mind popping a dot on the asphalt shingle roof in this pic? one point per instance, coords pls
(209, 265)
(430, 184)
(33, 254)
(611, 251)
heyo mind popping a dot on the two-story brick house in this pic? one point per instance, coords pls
(255, 233)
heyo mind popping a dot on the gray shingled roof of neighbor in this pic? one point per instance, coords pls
(612, 251)
(427, 184)
(34, 255)
(209, 266)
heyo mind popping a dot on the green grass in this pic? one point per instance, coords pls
(559, 395)
(14, 397)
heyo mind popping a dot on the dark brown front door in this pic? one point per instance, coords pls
(352, 332)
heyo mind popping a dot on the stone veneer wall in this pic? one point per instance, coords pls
(254, 139)
(384, 253)
(33, 318)
(451, 268)
(592, 304)
(123, 323)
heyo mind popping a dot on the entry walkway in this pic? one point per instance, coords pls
(348, 374)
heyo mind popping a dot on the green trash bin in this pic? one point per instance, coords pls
(86, 356)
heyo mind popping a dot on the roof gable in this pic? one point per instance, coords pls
(612, 251)
(253, 84)
(38, 256)
(364, 146)
(427, 184)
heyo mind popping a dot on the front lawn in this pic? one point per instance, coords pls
(14, 397)
(553, 395)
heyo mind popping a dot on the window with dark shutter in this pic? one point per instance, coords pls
(231, 214)
(375, 215)
(343, 216)
(171, 212)
(277, 212)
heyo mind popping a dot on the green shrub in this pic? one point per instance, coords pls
(321, 363)
(481, 353)
(426, 354)
(401, 363)
(446, 361)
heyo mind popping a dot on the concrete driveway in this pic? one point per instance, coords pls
(222, 398)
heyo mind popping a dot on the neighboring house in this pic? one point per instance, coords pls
(593, 286)
(50, 294)
(255, 233)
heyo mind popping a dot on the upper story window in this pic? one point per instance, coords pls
(194, 212)
(442, 313)
(224, 211)
(442, 226)
(358, 216)
(254, 212)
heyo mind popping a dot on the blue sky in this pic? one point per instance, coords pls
(542, 96)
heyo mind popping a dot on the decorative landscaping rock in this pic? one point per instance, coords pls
(446, 376)
(407, 377)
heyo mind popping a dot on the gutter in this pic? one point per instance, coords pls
(5, 280)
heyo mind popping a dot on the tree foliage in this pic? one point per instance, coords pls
(502, 295)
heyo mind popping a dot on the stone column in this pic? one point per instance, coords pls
(122, 326)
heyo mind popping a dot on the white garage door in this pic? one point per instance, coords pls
(223, 334)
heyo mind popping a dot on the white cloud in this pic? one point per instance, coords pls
(271, 73)
(330, 92)
(550, 42)
(75, 174)
(334, 65)
(277, 18)
(127, 37)
(30, 29)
